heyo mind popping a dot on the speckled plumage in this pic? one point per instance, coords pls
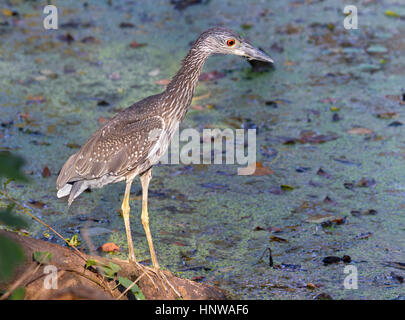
(122, 146)
(135, 139)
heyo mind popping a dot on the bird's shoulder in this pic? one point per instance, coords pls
(119, 145)
(145, 108)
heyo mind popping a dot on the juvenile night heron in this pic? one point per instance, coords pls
(123, 148)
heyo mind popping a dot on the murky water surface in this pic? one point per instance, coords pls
(330, 85)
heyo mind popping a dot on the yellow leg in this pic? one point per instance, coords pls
(145, 179)
(125, 213)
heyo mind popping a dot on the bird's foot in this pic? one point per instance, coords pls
(156, 272)
(163, 278)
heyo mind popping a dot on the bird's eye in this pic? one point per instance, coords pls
(231, 42)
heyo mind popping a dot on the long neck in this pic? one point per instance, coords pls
(181, 89)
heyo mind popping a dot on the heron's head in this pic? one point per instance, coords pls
(226, 41)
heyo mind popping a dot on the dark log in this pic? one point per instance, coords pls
(77, 282)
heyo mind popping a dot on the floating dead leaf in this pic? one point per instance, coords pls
(348, 185)
(323, 296)
(328, 199)
(346, 259)
(286, 187)
(395, 264)
(320, 218)
(364, 235)
(109, 247)
(197, 107)
(370, 212)
(73, 145)
(277, 239)
(289, 63)
(387, 115)
(360, 131)
(90, 40)
(396, 124)
(256, 169)
(364, 182)
(103, 103)
(213, 75)
(163, 82)
(311, 286)
(135, 45)
(262, 170)
(258, 228)
(331, 260)
(35, 99)
(124, 25)
(36, 204)
(68, 38)
(274, 229)
(339, 220)
(312, 137)
(102, 120)
(323, 173)
(46, 172)
(114, 76)
(26, 116)
(396, 98)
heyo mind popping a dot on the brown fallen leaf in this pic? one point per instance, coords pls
(339, 220)
(365, 183)
(360, 131)
(274, 229)
(163, 82)
(289, 63)
(323, 173)
(90, 40)
(320, 218)
(277, 239)
(387, 115)
(197, 107)
(312, 137)
(26, 116)
(256, 169)
(135, 44)
(311, 286)
(46, 172)
(102, 120)
(72, 145)
(258, 228)
(35, 99)
(213, 75)
(36, 204)
(365, 235)
(109, 247)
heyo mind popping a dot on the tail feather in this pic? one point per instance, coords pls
(64, 191)
(67, 173)
(77, 188)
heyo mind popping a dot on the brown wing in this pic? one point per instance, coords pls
(114, 149)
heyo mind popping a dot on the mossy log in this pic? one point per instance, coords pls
(75, 281)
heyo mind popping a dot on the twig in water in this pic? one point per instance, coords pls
(270, 256)
(23, 208)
